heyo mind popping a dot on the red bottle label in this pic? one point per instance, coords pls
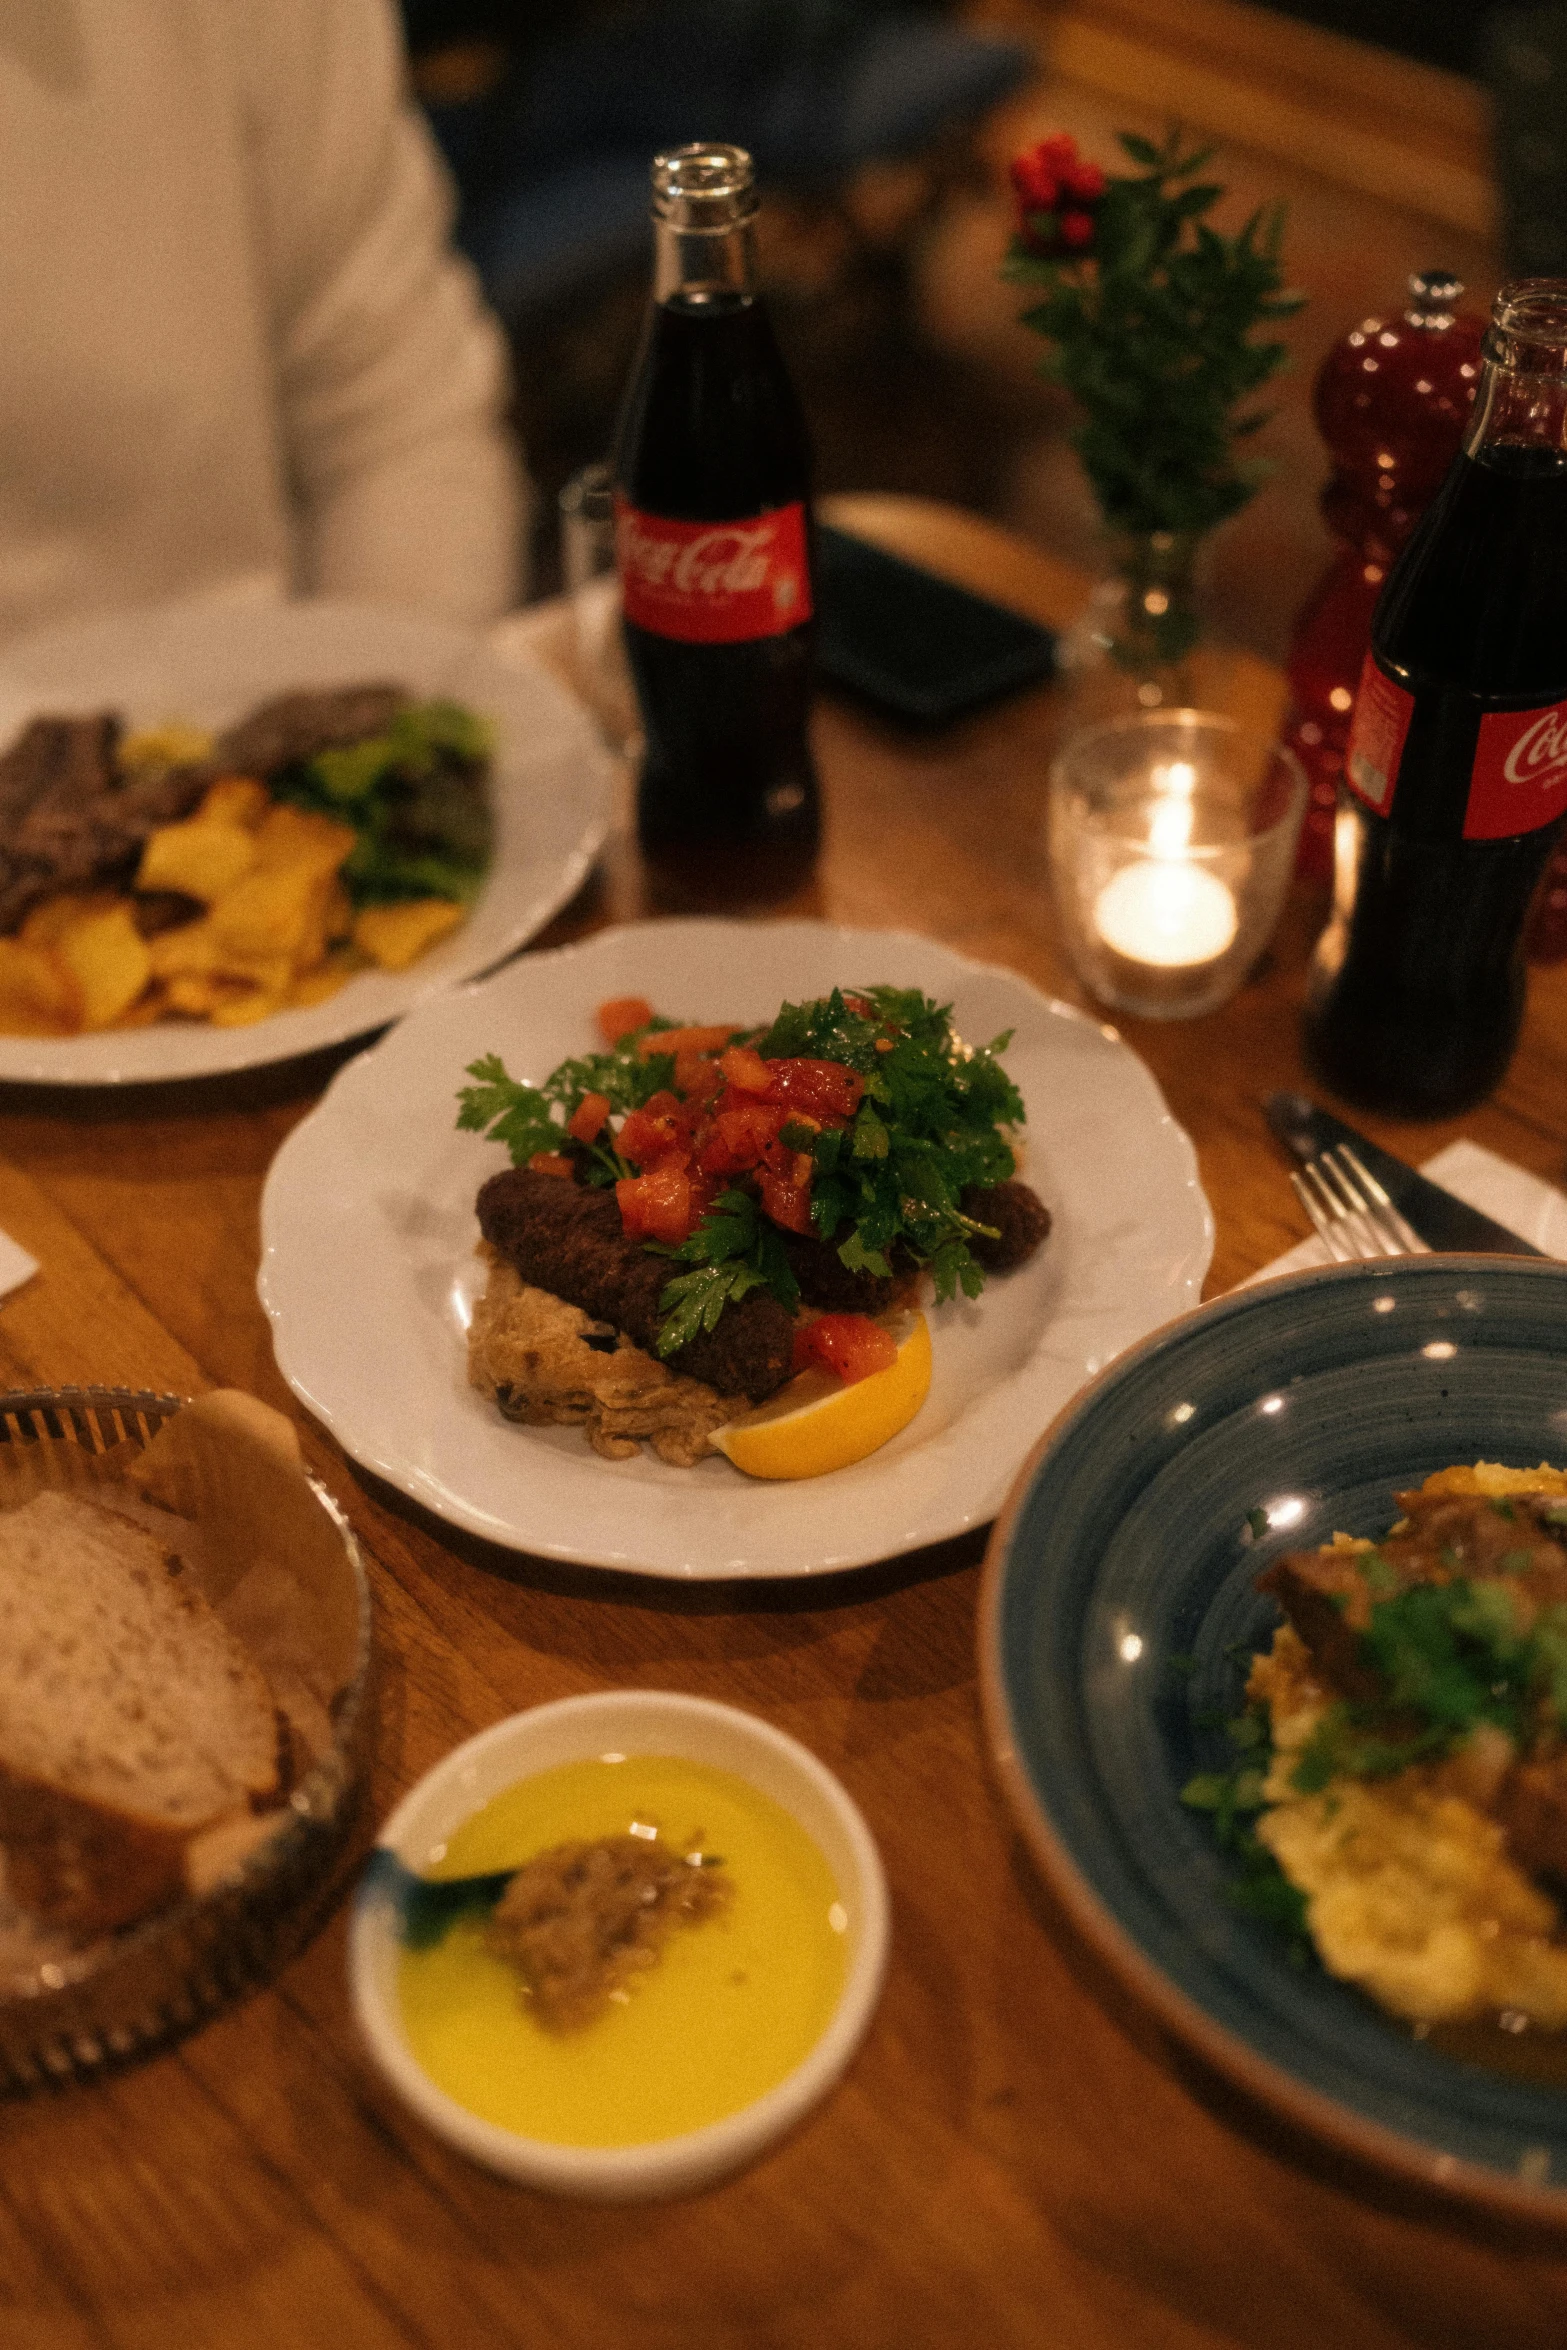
(713, 583)
(1520, 773)
(1376, 737)
(1517, 783)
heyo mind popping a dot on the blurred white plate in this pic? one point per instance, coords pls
(369, 1275)
(211, 661)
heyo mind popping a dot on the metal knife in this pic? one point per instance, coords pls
(1442, 1220)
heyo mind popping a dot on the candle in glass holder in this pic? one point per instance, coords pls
(1170, 841)
(1165, 909)
(1167, 914)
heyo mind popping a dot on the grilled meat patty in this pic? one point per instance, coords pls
(1017, 1213)
(565, 1238)
(1019, 1216)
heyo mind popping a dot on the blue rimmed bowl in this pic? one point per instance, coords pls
(1119, 1593)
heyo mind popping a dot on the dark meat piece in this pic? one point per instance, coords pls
(569, 1240)
(66, 820)
(296, 726)
(1327, 1597)
(45, 750)
(1018, 1214)
(1531, 1807)
(826, 1281)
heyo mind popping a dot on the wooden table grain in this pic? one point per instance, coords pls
(1015, 2158)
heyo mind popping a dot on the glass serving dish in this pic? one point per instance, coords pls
(68, 2012)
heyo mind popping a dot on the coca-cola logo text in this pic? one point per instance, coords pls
(714, 582)
(1540, 751)
(729, 561)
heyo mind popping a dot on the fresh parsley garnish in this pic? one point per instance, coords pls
(734, 1250)
(928, 1128)
(1258, 1887)
(529, 1119)
(1448, 1657)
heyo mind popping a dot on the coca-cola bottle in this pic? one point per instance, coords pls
(713, 545)
(1456, 771)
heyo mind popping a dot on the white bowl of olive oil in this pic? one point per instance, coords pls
(680, 2065)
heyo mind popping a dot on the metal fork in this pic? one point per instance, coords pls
(1351, 1210)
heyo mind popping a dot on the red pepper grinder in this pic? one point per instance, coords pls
(1391, 401)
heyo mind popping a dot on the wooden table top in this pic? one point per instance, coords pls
(1015, 2157)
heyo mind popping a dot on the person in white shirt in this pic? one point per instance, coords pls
(237, 352)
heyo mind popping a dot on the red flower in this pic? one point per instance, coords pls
(1056, 189)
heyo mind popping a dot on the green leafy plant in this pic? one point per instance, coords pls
(1151, 317)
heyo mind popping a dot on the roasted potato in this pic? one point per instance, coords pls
(395, 936)
(108, 959)
(201, 858)
(38, 995)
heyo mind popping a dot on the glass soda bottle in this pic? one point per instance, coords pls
(713, 545)
(1456, 771)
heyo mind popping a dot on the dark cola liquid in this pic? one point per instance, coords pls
(712, 431)
(1417, 989)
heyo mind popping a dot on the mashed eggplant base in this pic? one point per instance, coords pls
(543, 1362)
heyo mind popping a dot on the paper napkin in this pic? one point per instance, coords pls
(1525, 1203)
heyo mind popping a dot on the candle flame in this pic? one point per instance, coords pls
(1171, 819)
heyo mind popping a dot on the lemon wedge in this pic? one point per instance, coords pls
(817, 1423)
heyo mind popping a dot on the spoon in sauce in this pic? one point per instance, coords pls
(430, 1905)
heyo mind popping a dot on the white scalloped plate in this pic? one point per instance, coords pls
(209, 661)
(368, 1269)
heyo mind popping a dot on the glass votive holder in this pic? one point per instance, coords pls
(1172, 840)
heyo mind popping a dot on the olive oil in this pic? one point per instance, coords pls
(732, 2006)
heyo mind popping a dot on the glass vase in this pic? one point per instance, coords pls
(1131, 648)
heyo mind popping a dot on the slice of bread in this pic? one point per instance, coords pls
(130, 1717)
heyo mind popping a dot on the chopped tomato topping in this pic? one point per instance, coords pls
(586, 1122)
(746, 1071)
(698, 1077)
(851, 1344)
(552, 1163)
(621, 1015)
(653, 1131)
(740, 1138)
(827, 1090)
(861, 1004)
(658, 1205)
(788, 1203)
(688, 1040)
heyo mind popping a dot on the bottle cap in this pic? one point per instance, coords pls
(703, 187)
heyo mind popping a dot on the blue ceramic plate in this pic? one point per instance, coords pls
(1128, 1541)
